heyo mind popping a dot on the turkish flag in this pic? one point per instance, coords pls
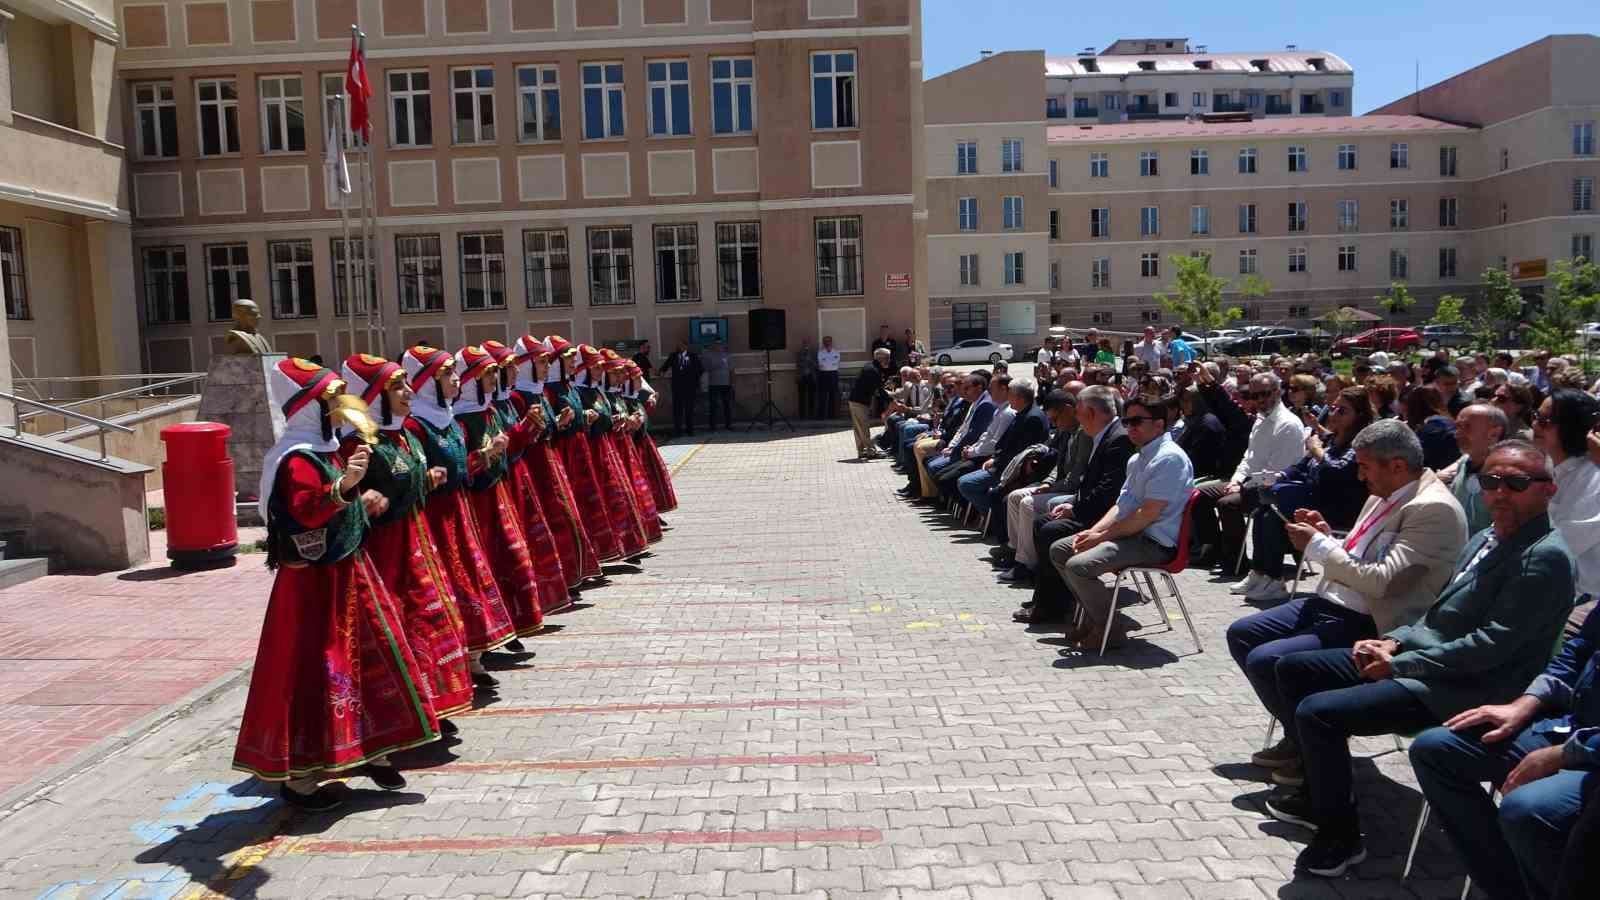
(359, 90)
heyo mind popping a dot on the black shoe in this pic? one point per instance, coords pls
(1015, 575)
(485, 680)
(386, 777)
(1002, 552)
(908, 493)
(449, 728)
(516, 646)
(320, 800)
(1293, 807)
(1330, 856)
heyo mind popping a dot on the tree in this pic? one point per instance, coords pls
(1449, 311)
(1195, 296)
(1396, 300)
(1574, 294)
(1502, 308)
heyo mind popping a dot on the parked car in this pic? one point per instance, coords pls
(974, 350)
(1589, 334)
(1451, 337)
(1379, 339)
(1264, 340)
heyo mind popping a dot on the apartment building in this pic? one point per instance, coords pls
(1495, 167)
(607, 169)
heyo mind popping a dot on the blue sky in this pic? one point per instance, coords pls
(1382, 41)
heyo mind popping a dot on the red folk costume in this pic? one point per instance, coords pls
(499, 523)
(655, 467)
(572, 441)
(449, 514)
(578, 559)
(625, 419)
(335, 685)
(401, 546)
(615, 486)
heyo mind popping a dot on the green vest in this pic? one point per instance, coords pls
(289, 541)
(447, 449)
(398, 471)
(482, 427)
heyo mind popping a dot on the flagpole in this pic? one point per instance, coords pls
(341, 138)
(369, 226)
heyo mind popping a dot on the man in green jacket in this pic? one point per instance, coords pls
(1486, 637)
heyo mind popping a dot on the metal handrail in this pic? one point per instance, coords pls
(101, 425)
(127, 392)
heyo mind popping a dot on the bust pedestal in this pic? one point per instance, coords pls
(236, 396)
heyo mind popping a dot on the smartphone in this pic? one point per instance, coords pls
(1279, 513)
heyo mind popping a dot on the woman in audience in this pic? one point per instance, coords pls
(1305, 398)
(1562, 429)
(1428, 416)
(1382, 394)
(1516, 401)
(1103, 356)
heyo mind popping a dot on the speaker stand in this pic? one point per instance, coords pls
(768, 409)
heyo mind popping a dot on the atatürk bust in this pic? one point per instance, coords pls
(244, 340)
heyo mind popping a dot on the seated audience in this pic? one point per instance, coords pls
(1383, 392)
(912, 398)
(1277, 441)
(979, 410)
(926, 421)
(1562, 430)
(1203, 438)
(1516, 401)
(977, 453)
(1428, 416)
(1028, 427)
(1306, 399)
(1016, 557)
(1479, 426)
(1484, 639)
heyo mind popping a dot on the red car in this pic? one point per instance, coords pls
(1379, 339)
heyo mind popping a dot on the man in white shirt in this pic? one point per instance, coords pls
(827, 379)
(1149, 350)
(1277, 441)
(1047, 353)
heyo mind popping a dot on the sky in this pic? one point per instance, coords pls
(1383, 42)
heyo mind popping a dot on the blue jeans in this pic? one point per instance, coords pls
(1332, 702)
(936, 464)
(974, 488)
(1513, 851)
(909, 433)
(1258, 641)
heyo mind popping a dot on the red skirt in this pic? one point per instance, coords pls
(335, 684)
(500, 533)
(547, 570)
(455, 533)
(578, 560)
(644, 500)
(656, 469)
(617, 488)
(404, 556)
(580, 463)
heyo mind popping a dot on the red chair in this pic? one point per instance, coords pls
(1149, 573)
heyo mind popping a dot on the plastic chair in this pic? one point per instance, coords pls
(1133, 574)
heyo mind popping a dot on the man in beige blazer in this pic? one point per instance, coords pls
(1385, 573)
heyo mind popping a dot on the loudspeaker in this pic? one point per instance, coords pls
(768, 330)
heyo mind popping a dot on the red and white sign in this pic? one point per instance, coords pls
(896, 281)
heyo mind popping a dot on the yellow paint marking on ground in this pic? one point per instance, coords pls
(962, 617)
(687, 456)
(244, 861)
(976, 626)
(915, 626)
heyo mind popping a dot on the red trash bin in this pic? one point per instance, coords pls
(197, 480)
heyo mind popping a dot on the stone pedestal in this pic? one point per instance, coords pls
(236, 396)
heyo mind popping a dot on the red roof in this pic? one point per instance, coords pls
(1284, 125)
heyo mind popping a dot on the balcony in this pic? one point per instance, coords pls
(1311, 106)
(1228, 106)
(1086, 112)
(1277, 108)
(1054, 109)
(1143, 109)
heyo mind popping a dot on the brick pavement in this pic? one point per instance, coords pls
(810, 690)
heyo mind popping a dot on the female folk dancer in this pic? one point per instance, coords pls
(572, 441)
(578, 560)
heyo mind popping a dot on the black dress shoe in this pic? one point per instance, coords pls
(516, 646)
(1015, 574)
(908, 493)
(448, 728)
(320, 800)
(1002, 552)
(485, 680)
(386, 777)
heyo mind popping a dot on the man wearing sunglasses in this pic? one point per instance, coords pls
(1482, 642)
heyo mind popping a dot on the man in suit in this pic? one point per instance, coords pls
(1386, 573)
(976, 454)
(1099, 415)
(960, 394)
(863, 392)
(684, 365)
(1486, 637)
(980, 412)
(1016, 555)
(1028, 427)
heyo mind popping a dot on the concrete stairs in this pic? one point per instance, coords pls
(16, 567)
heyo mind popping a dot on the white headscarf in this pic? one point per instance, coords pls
(302, 430)
(425, 405)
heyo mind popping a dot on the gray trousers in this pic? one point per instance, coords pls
(1082, 571)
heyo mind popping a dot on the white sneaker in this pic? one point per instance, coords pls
(1271, 591)
(1254, 582)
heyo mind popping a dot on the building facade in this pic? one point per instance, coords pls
(610, 170)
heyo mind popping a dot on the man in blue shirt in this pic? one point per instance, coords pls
(1141, 529)
(1540, 748)
(1178, 349)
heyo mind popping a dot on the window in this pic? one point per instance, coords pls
(294, 288)
(1054, 177)
(602, 101)
(1011, 155)
(1081, 107)
(13, 275)
(1505, 158)
(1197, 100)
(966, 157)
(345, 278)
(539, 103)
(472, 92)
(1149, 265)
(1011, 211)
(733, 95)
(669, 97)
(969, 269)
(1347, 258)
(1101, 318)
(1583, 194)
(1247, 262)
(1297, 216)
(547, 267)
(1247, 161)
(1447, 162)
(1399, 215)
(1348, 215)
(1054, 108)
(1149, 163)
(1336, 98)
(334, 106)
(227, 278)
(1300, 311)
(1247, 218)
(1297, 259)
(1099, 165)
(166, 285)
(1055, 224)
(839, 256)
(1399, 264)
(1199, 220)
(1149, 220)
(419, 273)
(1170, 98)
(1100, 273)
(1111, 101)
(677, 263)
(1447, 262)
(219, 116)
(283, 115)
(967, 213)
(1297, 159)
(1347, 157)
(1199, 162)
(1583, 246)
(1204, 256)
(1149, 316)
(1100, 222)
(1504, 214)
(483, 270)
(1055, 285)
(833, 90)
(411, 110)
(1014, 268)
(1582, 138)
(969, 321)
(1400, 156)
(610, 266)
(1252, 99)
(155, 110)
(1447, 212)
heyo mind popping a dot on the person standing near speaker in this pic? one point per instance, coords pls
(642, 358)
(806, 365)
(719, 386)
(685, 368)
(827, 378)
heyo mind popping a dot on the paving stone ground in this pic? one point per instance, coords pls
(809, 690)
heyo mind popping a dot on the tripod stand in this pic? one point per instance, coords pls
(768, 409)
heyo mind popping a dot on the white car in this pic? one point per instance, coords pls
(974, 350)
(1589, 334)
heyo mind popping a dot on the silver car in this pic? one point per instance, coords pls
(974, 350)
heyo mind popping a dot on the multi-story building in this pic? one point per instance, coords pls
(1495, 167)
(604, 169)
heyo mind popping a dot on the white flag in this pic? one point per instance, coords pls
(338, 169)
